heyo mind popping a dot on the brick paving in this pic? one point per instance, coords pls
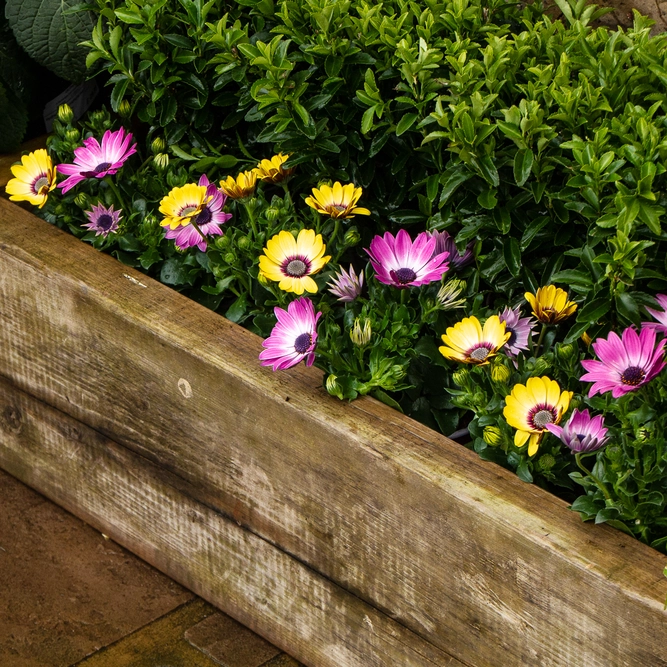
(70, 597)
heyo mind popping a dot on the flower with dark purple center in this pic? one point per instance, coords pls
(294, 337)
(103, 220)
(402, 263)
(582, 433)
(626, 363)
(444, 242)
(95, 160)
(519, 328)
(346, 286)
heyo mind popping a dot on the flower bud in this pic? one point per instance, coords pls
(546, 462)
(81, 200)
(565, 351)
(244, 242)
(65, 113)
(124, 109)
(73, 135)
(359, 336)
(158, 145)
(333, 387)
(230, 258)
(222, 242)
(272, 213)
(643, 434)
(398, 372)
(98, 117)
(262, 279)
(352, 237)
(500, 373)
(461, 377)
(542, 365)
(449, 293)
(492, 435)
(161, 161)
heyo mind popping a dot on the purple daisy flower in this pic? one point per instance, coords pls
(581, 433)
(444, 242)
(206, 223)
(103, 220)
(625, 364)
(403, 263)
(660, 315)
(293, 338)
(94, 161)
(346, 286)
(520, 328)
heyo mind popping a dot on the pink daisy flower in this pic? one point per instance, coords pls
(206, 223)
(582, 433)
(520, 328)
(403, 263)
(346, 286)
(293, 338)
(103, 220)
(625, 364)
(660, 315)
(93, 160)
(444, 242)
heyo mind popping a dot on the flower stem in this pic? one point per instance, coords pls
(540, 339)
(596, 481)
(119, 198)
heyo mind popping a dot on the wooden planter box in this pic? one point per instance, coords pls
(346, 534)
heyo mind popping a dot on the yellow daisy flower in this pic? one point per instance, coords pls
(182, 204)
(272, 170)
(292, 261)
(550, 304)
(530, 407)
(337, 201)
(240, 187)
(469, 343)
(33, 179)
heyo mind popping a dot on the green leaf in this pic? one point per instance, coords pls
(51, 36)
(238, 309)
(451, 181)
(487, 199)
(174, 273)
(406, 123)
(523, 163)
(386, 399)
(14, 120)
(512, 256)
(594, 310)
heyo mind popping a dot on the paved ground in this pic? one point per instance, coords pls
(68, 596)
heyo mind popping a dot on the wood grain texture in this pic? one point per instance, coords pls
(454, 548)
(128, 498)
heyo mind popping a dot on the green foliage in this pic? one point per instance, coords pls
(50, 32)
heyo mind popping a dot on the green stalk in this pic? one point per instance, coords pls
(540, 339)
(119, 198)
(596, 481)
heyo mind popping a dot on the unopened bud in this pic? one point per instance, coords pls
(262, 279)
(272, 214)
(461, 377)
(124, 109)
(161, 161)
(65, 113)
(643, 434)
(542, 365)
(500, 373)
(333, 387)
(359, 336)
(222, 242)
(244, 242)
(72, 135)
(492, 435)
(230, 258)
(565, 351)
(449, 294)
(398, 372)
(546, 462)
(352, 237)
(81, 200)
(158, 145)
(586, 339)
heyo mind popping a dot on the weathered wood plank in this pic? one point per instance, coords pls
(131, 500)
(458, 550)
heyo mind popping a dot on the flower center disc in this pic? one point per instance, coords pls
(512, 338)
(633, 376)
(104, 222)
(187, 211)
(479, 353)
(103, 166)
(296, 268)
(542, 418)
(40, 184)
(205, 216)
(404, 276)
(303, 342)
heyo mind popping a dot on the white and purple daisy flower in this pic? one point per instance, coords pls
(402, 263)
(582, 433)
(103, 220)
(192, 230)
(625, 363)
(93, 160)
(294, 337)
(346, 286)
(444, 242)
(520, 329)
